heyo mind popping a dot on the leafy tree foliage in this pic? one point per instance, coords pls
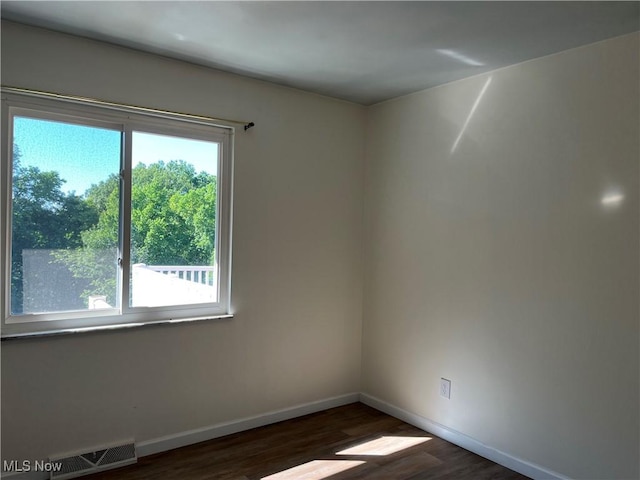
(172, 222)
(172, 215)
(43, 217)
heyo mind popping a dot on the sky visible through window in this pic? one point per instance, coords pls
(84, 156)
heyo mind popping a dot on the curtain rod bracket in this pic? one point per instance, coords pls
(120, 106)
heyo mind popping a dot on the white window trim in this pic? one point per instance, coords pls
(126, 121)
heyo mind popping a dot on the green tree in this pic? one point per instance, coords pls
(173, 215)
(43, 217)
(173, 218)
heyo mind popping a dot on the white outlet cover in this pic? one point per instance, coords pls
(445, 388)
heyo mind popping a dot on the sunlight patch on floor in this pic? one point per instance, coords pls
(384, 446)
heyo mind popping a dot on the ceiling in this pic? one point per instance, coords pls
(363, 52)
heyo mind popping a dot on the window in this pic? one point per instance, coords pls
(111, 217)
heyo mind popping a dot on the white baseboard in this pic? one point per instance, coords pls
(182, 439)
(190, 437)
(517, 464)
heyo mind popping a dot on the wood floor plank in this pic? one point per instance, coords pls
(402, 468)
(353, 442)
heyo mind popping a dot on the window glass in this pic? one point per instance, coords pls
(112, 217)
(173, 221)
(64, 216)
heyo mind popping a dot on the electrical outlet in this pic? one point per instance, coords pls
(445, 388)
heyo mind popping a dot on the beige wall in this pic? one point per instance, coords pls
(297, 276)
(493, 263)
(496, 265)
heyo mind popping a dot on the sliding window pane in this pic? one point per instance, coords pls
(173, 221)
(64, 216)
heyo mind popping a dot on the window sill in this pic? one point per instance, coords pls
(104, 328)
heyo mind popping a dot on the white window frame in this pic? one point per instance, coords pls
(126, 121)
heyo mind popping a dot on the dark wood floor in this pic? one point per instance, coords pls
(345, 443)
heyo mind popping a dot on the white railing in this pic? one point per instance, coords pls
(161, 285)
(197, 274)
